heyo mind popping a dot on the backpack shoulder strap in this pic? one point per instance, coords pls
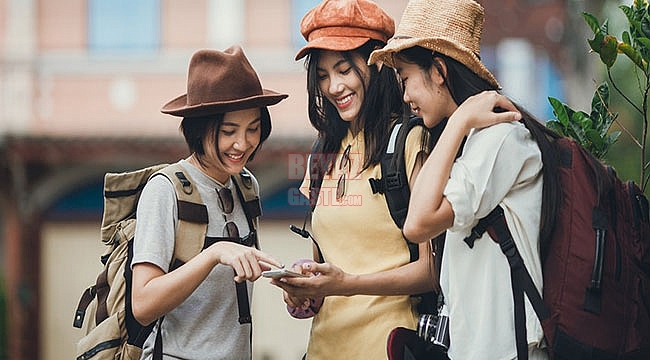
(522, 283)
(192, 214)
(316, 173)
(394, 182)
(251, 203)
(250, 200)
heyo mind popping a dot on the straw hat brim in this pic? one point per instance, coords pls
(443, 46)
(334, 43)
(179, 107)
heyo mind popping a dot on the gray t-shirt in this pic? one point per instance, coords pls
(205, 325)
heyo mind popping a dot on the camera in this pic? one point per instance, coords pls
(434, 329)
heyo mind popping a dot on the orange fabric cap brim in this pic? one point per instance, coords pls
(334, 43)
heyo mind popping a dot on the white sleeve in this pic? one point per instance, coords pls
(494, 161)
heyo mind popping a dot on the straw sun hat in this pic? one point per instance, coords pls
(449, 27)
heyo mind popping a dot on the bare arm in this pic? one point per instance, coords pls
(155, 292)
(412, 278)
(429, 211)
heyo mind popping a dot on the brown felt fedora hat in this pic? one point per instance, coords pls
(219, 82)
(342, 25)
(449, 27)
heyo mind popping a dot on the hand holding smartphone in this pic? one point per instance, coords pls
(280, 273)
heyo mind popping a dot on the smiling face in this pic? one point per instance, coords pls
(341, 84)
(425, 92)
(228, 151)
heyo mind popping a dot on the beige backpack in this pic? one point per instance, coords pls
(111, 331)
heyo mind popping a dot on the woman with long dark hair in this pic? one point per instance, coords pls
(490, 153)
(366, 276)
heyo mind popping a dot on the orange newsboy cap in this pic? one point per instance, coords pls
(342, 25)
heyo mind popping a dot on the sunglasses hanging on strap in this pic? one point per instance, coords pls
(252, 209)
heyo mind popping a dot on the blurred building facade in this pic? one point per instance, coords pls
(81, 86)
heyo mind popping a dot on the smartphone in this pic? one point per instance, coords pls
(279, 273)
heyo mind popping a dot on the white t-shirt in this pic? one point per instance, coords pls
(205, 325)
(499, 165)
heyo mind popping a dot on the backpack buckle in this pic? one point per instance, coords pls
(187, 185)
(79, 318)
(377, 185)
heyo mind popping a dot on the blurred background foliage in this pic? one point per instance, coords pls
(621, 41)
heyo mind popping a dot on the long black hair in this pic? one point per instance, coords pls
(382, 104)
(463, 83)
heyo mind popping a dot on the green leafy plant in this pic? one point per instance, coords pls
(591, 130)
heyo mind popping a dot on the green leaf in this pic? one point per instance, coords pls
(645, 26)
(607, 123)
(560, 111)
(599, 105)
(601, 98)
(579, 118)
(626, 38)
(609, 51)
(575, 131)
(613, 136)
(643, 48)
(639, 10)
(592, 22)
(596, 43)
(583, 119)
(644, 41)
(597, 142)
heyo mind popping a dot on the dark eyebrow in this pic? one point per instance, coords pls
(336, 65)
(227, 123)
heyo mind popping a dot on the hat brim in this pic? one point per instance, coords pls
(179, 107)
(334, 43)
(443, 46)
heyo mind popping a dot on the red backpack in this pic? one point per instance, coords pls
(596, 297)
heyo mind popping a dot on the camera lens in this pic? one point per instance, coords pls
(427, 327)
(434, 329)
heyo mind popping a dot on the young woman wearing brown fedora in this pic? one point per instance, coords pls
(225, 120)
(435, 52)
(366, 277)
